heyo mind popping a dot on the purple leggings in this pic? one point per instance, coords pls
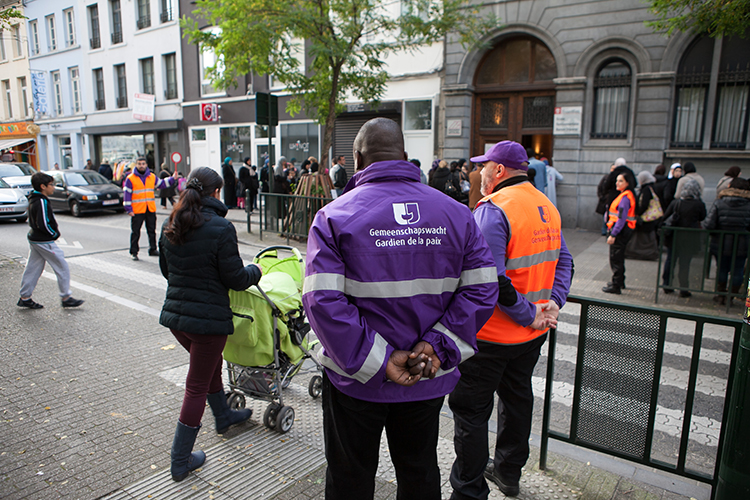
(204, 374)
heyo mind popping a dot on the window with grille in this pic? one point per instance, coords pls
(611, 100)
(51, 33)
(122, 86)
(8, 99)
(17, 42)
(3, 54)
(23, 96)
(75, 89)
(166, 11)
(494, 114)
(114, 8)
(34, 38)
(70, 28)
(95, 41)
(144, 14)
(170, 69)
(57, 90)
(99, 102)
(147, 75)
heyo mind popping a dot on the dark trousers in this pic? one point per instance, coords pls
(617, 256)
(164, 201)
(682, 261)
(136, 221)
(204, 373)
(505, 370)
(352, 429)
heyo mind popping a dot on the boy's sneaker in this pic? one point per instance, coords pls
(153, 253)
(29, 303)
(134, 256)
(71, 302)
(509, 488)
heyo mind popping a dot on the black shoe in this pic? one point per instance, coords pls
(29, 303)
(509, 488)
(609, 283)
(71, 302)
(612, 289)
(685, 293)
(669, 290)
(134, 256)
(153, 253)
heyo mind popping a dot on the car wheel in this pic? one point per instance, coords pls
(75, 209)
(22, 219)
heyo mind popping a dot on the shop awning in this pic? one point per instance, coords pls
(9, 143)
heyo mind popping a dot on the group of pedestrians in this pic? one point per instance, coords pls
(634, 211)
(238, 183)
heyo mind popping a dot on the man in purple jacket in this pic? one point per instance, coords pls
(399, 280)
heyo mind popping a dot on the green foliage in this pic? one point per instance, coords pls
(10, 16)
(714, 17)
(346, 42)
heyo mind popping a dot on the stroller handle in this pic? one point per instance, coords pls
(280, 247)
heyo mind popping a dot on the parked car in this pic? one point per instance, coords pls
(17, 175)
(84, 191)
(13, 203)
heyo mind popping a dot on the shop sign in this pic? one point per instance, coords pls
(209, 112)
(39, 92)
(568, 120)
(143, 107)
(14, 129)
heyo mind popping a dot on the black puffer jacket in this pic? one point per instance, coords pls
(731, 212)
(200, 273)
(444, 176)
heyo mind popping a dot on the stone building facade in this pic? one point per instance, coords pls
(615, 87)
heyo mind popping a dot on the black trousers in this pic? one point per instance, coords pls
(352, 429)
(617, 256)
(505, 370)
(136, 221)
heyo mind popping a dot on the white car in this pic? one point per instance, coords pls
(13, 203)
(18, 175)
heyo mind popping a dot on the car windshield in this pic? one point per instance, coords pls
(85, 178)
(9, 170)
(4, 184)
(27, 169)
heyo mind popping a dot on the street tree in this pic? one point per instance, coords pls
(10, 16)
(712, 17)
(346, 43)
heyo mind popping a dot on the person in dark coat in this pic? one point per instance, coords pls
(731, 173)
(670, 187)
(643, 245)
(168, 193)
(601, 193)
(660, 174)
(688, 211)
(731, 212)
(199, 257)
(106, 170)
(243, 181)
(445, 181)
(230, 183)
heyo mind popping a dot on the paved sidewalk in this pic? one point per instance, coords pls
(89, 399)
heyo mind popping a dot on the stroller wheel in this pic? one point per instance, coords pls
(269, 417)
(285, 419)
(236, 401)
(315, 388)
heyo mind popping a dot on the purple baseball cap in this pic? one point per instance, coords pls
(509, 153)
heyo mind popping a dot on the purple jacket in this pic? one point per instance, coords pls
(127, 186)
(389, 263)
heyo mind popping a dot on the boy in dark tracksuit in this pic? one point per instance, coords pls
(42, 238)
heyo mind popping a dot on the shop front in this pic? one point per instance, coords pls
(18, 143)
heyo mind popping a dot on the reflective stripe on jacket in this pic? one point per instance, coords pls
(531, 256)
(389, 263)
(143, 194)
(614, 214)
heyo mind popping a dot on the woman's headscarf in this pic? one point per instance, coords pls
(645, 177)
(671, 169)
(279, 170)
(227, 160)
(691, 189)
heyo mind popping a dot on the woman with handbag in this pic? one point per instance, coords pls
(648, 211)
(688, 211)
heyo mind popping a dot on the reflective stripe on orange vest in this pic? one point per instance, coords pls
(143, 194)
(614, 215)
(532, 252)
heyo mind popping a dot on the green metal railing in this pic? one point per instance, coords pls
(619, 362)
(289, 215)
(690, 245)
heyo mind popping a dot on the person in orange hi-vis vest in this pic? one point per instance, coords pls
(534, 271)
(620, 226)
(140, 203)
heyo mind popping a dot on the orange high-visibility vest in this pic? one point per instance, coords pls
(530, 259)
(143, 194)
(613, 214)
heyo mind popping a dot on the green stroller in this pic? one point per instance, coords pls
(270, 344)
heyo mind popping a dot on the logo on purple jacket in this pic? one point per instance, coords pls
(406, 213)
(544, 214)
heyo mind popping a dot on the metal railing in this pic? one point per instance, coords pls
(143, 21)
(116, 37)
(288, 215)
(95, 42)
(692, 247)
(620, 355)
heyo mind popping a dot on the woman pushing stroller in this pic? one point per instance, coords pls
(198, 255)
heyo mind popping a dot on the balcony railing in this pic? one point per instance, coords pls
(170, 93)
(95, 42)
(117, 37)
(99, 103)
(144, 22)
(166, 15)
(122, 102)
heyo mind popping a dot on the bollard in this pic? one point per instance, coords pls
(734, 465)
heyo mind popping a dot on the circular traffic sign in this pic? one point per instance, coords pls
(176, 157)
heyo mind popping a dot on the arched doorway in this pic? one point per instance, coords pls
(514, 96)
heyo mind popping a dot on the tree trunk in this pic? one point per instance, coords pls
(325, 161)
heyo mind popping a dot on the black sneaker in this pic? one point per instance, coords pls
(71, 302)
(509, 488)
(612, 289)
(134, 256)
(685, 294)
(29, 303)
(153, 253)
